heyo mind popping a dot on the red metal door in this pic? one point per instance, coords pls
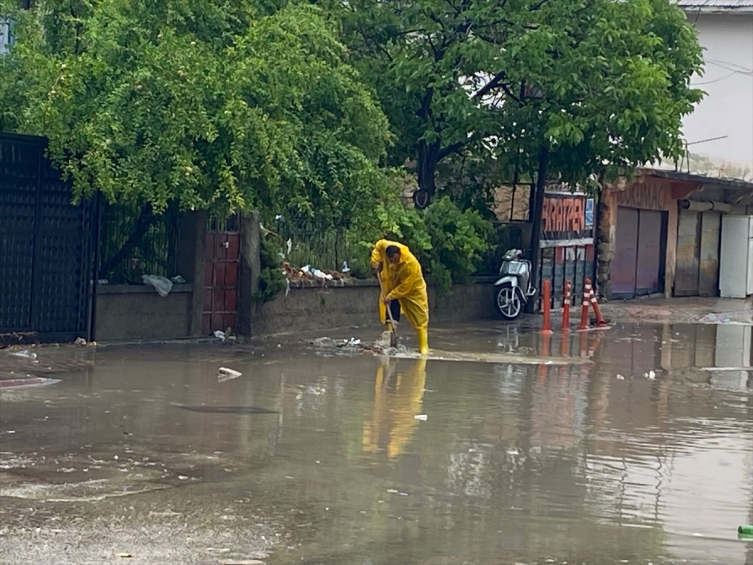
(649, 269)
(622, 268)
(221, 267)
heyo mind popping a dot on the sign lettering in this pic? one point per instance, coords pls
(646, 195)
(564, 214)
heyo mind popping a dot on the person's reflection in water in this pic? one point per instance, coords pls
(398, 396)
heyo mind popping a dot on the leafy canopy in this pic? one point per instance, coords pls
(215, 104)
(603, 83)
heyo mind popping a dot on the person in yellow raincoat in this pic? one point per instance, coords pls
(403, 288)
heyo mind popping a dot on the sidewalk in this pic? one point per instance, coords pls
(680, 310)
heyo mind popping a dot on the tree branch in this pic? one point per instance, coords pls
(449, 150)
(538, 5)
(510, 94)
(484, 90)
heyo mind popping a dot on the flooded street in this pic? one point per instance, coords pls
(629, 445)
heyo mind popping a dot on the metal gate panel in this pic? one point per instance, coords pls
(64, 260)
(649, 267)
(688, 253)
(221, 269)
(19, 184)
(46, 246)
(711, 227)
(622, 268)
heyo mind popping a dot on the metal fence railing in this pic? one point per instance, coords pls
(507, 235)
(307, 242)
(135, 241)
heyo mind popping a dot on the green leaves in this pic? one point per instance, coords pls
(614, 79)
(214, 104)
(458, 238)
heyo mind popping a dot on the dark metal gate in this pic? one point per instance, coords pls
(221, 270)
(46, 251)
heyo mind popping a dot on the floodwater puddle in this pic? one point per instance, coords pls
(632, 445)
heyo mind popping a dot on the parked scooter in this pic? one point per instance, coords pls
(514, 285)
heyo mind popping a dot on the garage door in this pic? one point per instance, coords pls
(698, 253)
(688, 253)
(638, 265)
(649, 275)
(626, 253)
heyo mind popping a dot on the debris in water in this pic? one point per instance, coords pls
(422, 417)
(220, 335)
(80, 341)
(650, 375)
(27, 382)
(226, 409)
(225, 374)
(26, 354)
(620, 378)
(124, 555)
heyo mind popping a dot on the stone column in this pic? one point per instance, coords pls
(250, 270)
(199, 230)
(605, 240)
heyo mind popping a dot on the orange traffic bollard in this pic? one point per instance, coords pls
(599, 318)
(584, 307)
(546, 296)
(566, 307)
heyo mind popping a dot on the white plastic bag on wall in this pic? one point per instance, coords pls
(162, 285)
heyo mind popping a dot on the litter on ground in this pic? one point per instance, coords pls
(382, 347)
(225, 374)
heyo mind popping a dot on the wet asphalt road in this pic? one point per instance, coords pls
(639, 451)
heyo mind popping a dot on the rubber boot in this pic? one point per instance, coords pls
(423, 340)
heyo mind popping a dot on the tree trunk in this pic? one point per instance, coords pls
(538, 208)
(428, 158)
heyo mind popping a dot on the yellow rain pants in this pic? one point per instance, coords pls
(405, 283)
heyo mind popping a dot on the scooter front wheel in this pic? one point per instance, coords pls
(508, 302)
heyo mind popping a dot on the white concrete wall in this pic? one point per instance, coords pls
(727, 109)
(4, 36)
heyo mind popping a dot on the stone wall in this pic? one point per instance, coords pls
(133, 313)
(315, 308)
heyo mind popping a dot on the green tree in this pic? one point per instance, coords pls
(213, 104)
(602, 84)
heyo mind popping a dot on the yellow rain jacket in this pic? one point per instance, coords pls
(403, 282)
(395, 406)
